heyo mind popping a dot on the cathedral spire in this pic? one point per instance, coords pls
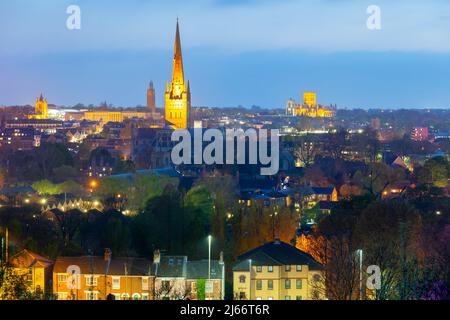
(177, 74)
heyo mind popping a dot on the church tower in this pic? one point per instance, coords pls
(40, 109)
(151, 106)
(178, 93)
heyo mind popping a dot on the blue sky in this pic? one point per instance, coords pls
(248, 52)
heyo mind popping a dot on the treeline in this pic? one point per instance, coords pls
(407, 240)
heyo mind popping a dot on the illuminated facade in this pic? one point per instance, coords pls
(277, 271)
(114, 116)
(40, 109)
(178, 94)
(309, 107)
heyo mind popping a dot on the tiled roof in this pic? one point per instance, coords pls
(275, 253)
(199, 269)
(28, 259)
(98, 265)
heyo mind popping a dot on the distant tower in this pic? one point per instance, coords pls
(178, 94)
(310, 99)
(41, 108)
(151, 106)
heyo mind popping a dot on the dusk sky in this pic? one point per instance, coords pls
(236, 52)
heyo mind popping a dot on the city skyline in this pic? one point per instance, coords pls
(339, 58)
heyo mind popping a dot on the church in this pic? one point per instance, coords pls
(178, 92)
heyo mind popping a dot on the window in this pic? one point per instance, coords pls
(299, 298)
(258, 269)
(241, 295)
(287, 298)
(287, 284)
(145, 283)
(91, 295)
(258, 284)
(125, 296)
(298, 283)
(270, 284)
(287, 268)
(62, 277)
(258, 298)
(91, 280)
(299, 267)
(270, 269)
(170, 262)
(269, 298)
(145, 296)
(116, 283)
(242, 279)
(62, 295)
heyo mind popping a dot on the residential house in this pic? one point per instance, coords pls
(277, 271)
(101, 278)
(37, 270)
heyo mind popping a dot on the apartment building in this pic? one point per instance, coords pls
(277, 271)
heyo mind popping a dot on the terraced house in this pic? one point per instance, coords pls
(101, 278)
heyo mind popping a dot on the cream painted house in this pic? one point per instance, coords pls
(276, 271)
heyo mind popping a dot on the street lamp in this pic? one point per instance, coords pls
(209, 256)
(250, 279)
(359, 252)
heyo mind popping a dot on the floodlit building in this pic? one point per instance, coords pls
(178, 93)
(277, 271)
(309, 107)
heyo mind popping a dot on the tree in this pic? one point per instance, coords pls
(435, 171)
(12, 285)
(46, 188)
(306, 151)
(389, 233)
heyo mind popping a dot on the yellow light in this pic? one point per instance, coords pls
(43, 201)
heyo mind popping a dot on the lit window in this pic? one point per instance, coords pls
(288, 268)
(258, 268)
(299, 267)
(270, 268)
(116, 283)
(287, 284)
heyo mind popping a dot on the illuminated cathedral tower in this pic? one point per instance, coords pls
(178, 94)
(40, 109)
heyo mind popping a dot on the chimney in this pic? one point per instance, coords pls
(108, 254)
(156, 257)
(277, 241)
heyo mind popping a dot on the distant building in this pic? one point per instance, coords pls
(41, 109)
(309, 107)
(151, 105)
(19, 138)
(105, 116)
(419, 134)
(277, 271)
(178, 94)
